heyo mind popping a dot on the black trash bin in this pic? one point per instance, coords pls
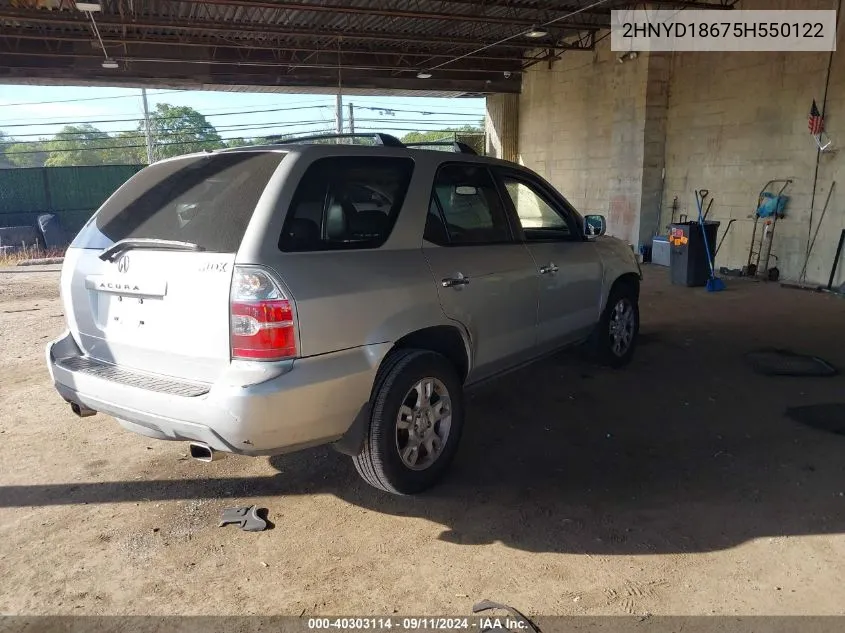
(688, 256)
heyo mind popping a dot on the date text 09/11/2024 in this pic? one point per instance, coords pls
(417, 624)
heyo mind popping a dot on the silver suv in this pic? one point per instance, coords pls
(267, 299)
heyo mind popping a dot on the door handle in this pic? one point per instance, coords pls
(453, 282)
(550, 268)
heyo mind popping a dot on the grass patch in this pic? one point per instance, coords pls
(29, 252)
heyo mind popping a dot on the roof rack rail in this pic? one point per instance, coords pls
(457, 146)
(378, 138)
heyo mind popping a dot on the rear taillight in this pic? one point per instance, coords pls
(263, 325)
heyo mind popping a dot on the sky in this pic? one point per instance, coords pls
(30, 112)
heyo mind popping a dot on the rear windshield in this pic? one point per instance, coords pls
(206, 200)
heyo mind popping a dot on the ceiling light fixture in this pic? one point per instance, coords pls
(89, 7)
(108, 62)
(423, 74)
(536, 31)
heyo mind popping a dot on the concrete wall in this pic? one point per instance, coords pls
(736, 121)
(501, 124)
(625, 139)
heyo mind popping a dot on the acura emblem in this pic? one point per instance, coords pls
(123, 264)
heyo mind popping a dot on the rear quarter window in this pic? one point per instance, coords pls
(348, 202)
(206, 200)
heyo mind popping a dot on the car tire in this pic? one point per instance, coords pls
(416, 420)
(622, 313)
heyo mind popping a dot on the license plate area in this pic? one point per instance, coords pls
(124, 311)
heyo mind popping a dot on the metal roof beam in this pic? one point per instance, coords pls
(103, 21)
(554, 5)
(226, 44)
(401, 13)
(186, 76)
(257, 63)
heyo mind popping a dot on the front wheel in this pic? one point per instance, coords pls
(415, 424)
(615, 337)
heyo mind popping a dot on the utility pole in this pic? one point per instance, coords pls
(339, 112)
(147, 127)
(352, 118)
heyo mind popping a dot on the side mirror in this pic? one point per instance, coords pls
(594, 225)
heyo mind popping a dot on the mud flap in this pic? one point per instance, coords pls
(352, 442)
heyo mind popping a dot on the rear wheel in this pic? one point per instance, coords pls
(615, 337)
(415, 424)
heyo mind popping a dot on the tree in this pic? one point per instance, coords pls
(6, 142)
(128, 148)
(78, 145)
(469, 134)
(28, 154)
(441, 135)
(180, 130)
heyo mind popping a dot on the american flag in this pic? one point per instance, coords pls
(815, 122)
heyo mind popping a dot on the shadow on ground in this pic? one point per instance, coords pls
(687, 450)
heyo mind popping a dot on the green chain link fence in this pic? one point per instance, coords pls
(70, 193)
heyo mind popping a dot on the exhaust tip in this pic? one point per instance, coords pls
(202, 452)
(81, 410)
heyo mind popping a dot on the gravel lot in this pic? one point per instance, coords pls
(677, 486)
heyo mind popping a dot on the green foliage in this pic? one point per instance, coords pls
(27, 154)
(77, 145)
(5, 144)
(181, 130)
(472, 135)
(175, 129)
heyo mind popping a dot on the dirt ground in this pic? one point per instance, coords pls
(677, 486)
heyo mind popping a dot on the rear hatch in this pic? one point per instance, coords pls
(146, 282)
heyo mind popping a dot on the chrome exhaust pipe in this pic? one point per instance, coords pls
(203, 452)
(81, 410)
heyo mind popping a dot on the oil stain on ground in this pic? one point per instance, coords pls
(824, 417)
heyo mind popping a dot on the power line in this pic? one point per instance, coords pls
(97, 149)
(164, 118)
(223, 128)
(196, 142)
(9, 105)
(441, 120)
(159, 118)
(199, 92)
(245, 127)
(50, 120)
(433, 106)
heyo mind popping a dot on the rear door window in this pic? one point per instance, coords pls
(205, 200)
(465, 208)
(346, 202)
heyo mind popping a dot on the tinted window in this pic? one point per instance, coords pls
(532, 210)
(469, 206)
(346, 202)
(206, 200)
(435, 227)
(537, 217)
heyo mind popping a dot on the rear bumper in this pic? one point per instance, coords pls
(304, 402)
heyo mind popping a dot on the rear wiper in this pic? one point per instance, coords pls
(111, 253)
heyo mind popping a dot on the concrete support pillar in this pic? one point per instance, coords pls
(502, 126)
(638, 141)
(654, 145)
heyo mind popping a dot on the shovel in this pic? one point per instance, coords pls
(714, 284)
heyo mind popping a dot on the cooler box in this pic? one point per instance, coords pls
(660, 251)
